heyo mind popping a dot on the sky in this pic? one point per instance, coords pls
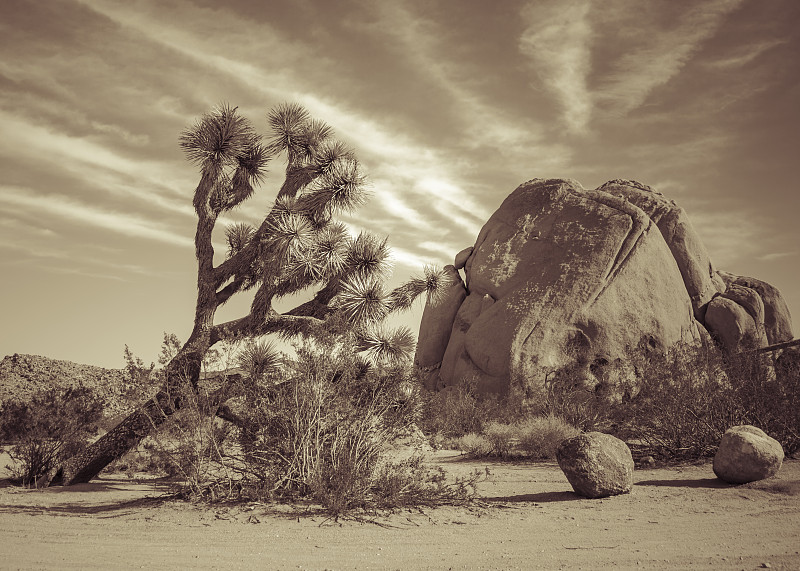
(449, 105)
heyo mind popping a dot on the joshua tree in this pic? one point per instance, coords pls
(298, 245)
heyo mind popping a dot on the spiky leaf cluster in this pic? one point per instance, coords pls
(230, 155)
(433, 283)
(238, 235)
(368, 256)
(259, 358)
(382, 345)
(362, 300)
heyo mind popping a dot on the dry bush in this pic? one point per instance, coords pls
(192, 446)
(319, 429)
(565, 396)
(46, 429)
(452, 413)
(535, 437)
(502, 437)
(539, 436)
(196, 448)
(475, 445)
(459, 410)
(412, 483)
(690, 396)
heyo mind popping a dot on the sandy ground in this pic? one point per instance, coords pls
(529, 518)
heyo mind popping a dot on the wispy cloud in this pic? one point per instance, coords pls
(420, 42)
(777, 256)
(566, 43)
(557, 39)
(658, 53)
(49, 256)
(80, 213)
(745, 55)
(100, 167)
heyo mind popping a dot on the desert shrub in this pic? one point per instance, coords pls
(475, 445)
(452, 413)
(319, 428)
(460, 410)
(191, 446)
(315, 425)
(502, 437)
(413, 483)
(691, 395)
(534, 437)
(194, 446)
(48, 428)
(565, 396)
(539, 436)
(767, 394)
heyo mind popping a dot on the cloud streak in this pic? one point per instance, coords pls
(562, 41)
(60, 207)
(557, 40)
(659, 54)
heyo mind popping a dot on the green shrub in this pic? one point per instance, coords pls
(539, 436)
(50, 427)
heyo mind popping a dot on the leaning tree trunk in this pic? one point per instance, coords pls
(185, 366)
(88, 463)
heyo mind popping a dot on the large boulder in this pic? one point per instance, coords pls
(597, 465)
(747, 454)
(437, 321)
(774, 317)
(563, 276)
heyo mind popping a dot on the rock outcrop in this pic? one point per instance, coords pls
(564, 276)
(22, 376)
(597, 465)
(747, 454)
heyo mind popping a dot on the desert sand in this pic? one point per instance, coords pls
(678, 517)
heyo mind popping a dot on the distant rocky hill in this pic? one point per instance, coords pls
(21, 376)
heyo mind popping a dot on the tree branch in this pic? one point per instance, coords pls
(229, 290)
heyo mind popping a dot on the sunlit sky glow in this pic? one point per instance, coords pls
(449, 105)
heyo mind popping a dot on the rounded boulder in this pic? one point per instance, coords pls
(597, 465)
(747, 454)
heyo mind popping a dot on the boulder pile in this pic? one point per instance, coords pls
(565, 276)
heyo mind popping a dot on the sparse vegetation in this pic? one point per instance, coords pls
(321, 428)
(46, 429)
(690, 396)
(457, 411)
(534, 438)
(539, 436)
(682, 404)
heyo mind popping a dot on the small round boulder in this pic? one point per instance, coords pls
(747, 454)
(597, 465)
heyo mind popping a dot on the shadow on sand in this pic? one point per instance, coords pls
(541, 498)
(111, 509)
(686, 483)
